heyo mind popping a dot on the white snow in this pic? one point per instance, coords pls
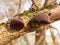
(56, 25)
(58, 1)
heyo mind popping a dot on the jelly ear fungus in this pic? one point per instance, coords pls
(16, 23)
(41, 18)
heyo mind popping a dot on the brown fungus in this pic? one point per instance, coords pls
(16, 23)
(42, 18)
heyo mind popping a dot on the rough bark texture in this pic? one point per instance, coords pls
(7, 36)
(11, 36)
